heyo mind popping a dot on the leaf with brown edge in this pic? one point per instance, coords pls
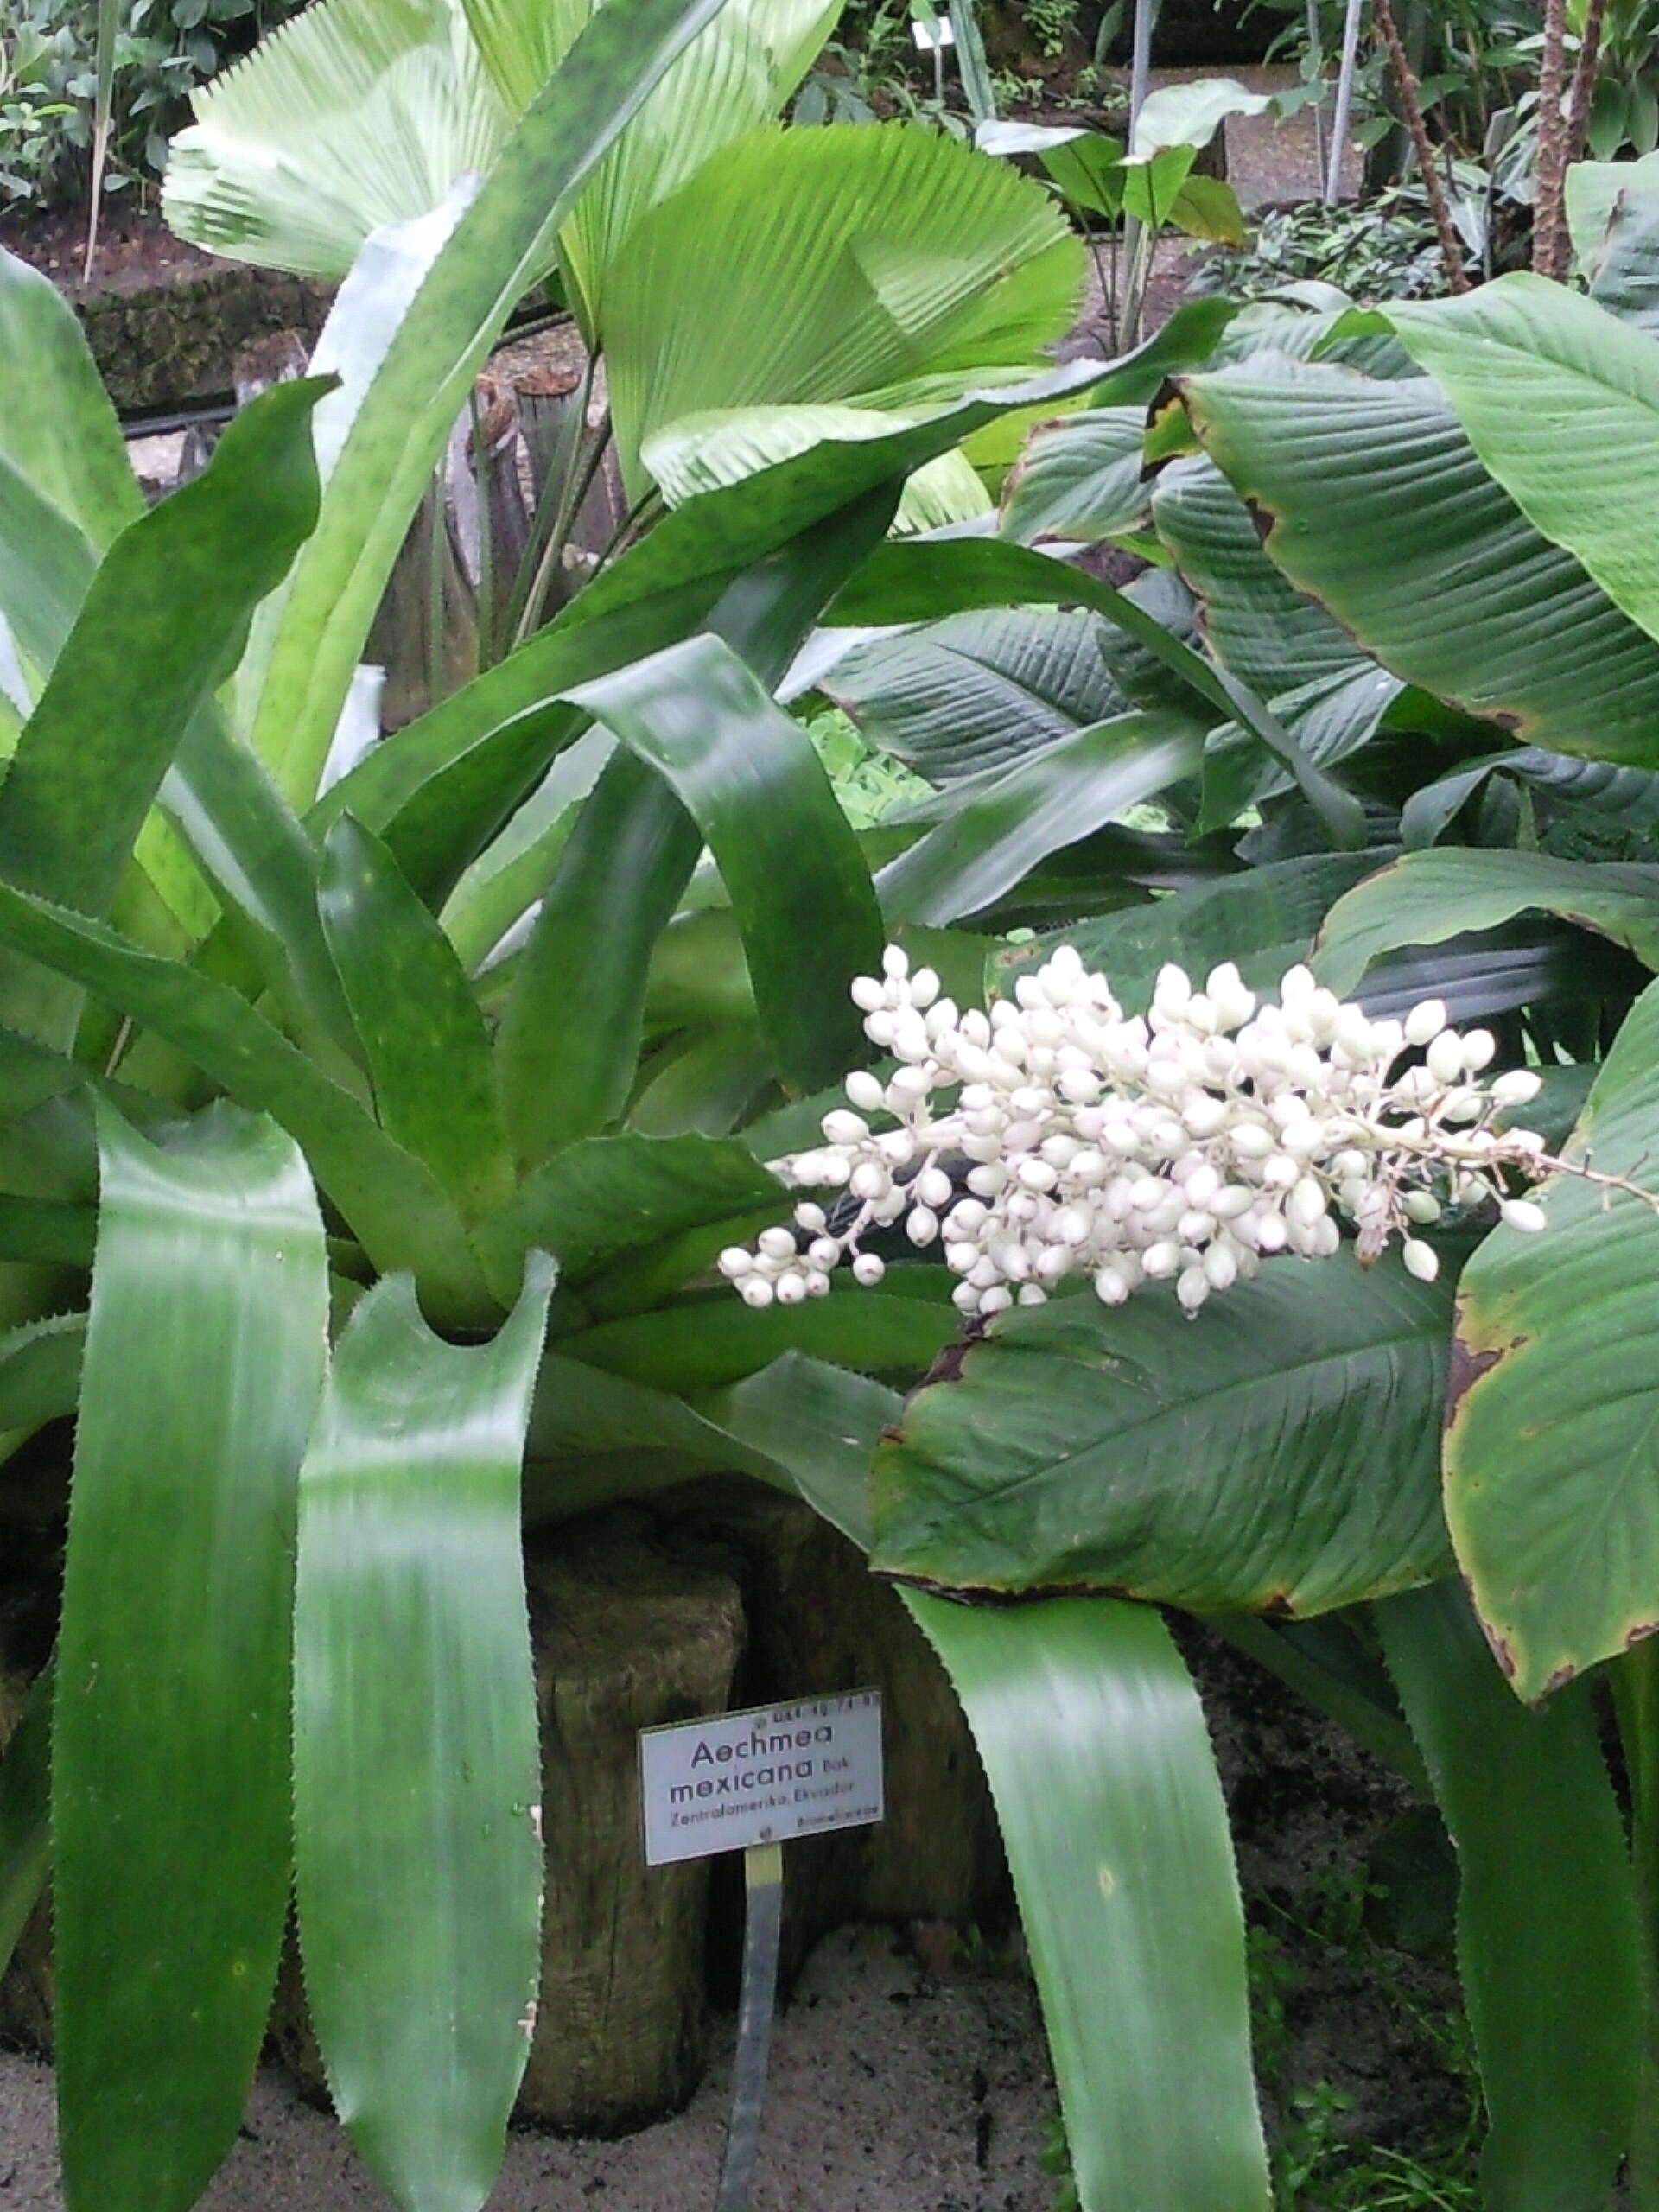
(1551, 1444)
(1379, 508)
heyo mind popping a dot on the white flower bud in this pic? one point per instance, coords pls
(734, 1263)
(776, 1243)
(843, 1128)
(811, 1217)
(922, 1226)
(1518, 1088)
(866, 993)
(755, 1290)
(868, 1269)
(1306, 1206)
(824, 1252)
(1524, 1215)
(1421, 1259)
(1422, 1206)
(1425, 1020)
(864, 1089)
(1445, 1057)
(790, 1288)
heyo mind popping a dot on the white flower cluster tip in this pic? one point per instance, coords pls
(1053, 1136)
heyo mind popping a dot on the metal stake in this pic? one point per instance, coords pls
(763, 1886)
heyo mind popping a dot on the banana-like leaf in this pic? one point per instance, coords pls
(398, 1211)
(1626, 270)
(163, 623)
(1000, 826)
(1560, 400)
(428, 1050)
(1548, 1461)
(915, 583)
(205, 1352)
(1095, 1746)
(977, 691)
(500, 242)
(416, 1801)
(1593, 190)
(1264, 919)
(1227, 1468)
(354, 114)
(1628, 795)
(25, 1812)
(1548, 1937)
(747, 776)
(713, 1339)
(878, 266)
(1424, 898)
(606, 1196)
(1378, 507)
(1190, 113)
(1079, 479)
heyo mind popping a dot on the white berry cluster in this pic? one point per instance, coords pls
(1053, 1136)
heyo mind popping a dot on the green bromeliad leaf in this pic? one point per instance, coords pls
(170, 1803)
(1226, 1469)
(1549, 1937)
(417, 1800)
(1099, 1761)
(1549, 1480)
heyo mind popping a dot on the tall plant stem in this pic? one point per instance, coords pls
(1584, 81)
(1549, 204)
(1405, 84)
(1140, 78)
(1634, 1680)
(1346, 69)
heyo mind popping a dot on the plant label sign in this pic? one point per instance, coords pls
(768, 1775)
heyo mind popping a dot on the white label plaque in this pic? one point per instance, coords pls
(768, 1775)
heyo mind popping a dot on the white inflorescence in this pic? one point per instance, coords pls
(1183, 1144)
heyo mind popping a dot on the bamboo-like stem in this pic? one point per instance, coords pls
(1549, 204)
(1405, 84)
(1346, 70)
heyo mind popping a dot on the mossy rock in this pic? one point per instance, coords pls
(169, 344)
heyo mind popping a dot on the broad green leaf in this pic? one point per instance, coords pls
(1001, 824)
(1225, 1466)
(714, 1338)
(48, 1230)
(1424, 898)
(25, 1812)
(1087, 165)
(163, 623)
(509, 874)
(1549, 1465)
(170, 1736)
(1154, 180)
(1190, 113)
(428, 1050)
(747, 776)
(1560, 400)
(907, 583)
(703, 1084)
(717, 446)
(1629, 795)
(1548, 1939)
(1099, 1761)
(605, 1196)
(499, 244)
(886, 266)
(977, 691)
(1207, 208)
(1080, 478)
(1264, 919)
(417, 1798)
(1449, 587)
(394, 1207)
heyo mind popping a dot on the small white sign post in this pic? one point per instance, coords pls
(751, 1781)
